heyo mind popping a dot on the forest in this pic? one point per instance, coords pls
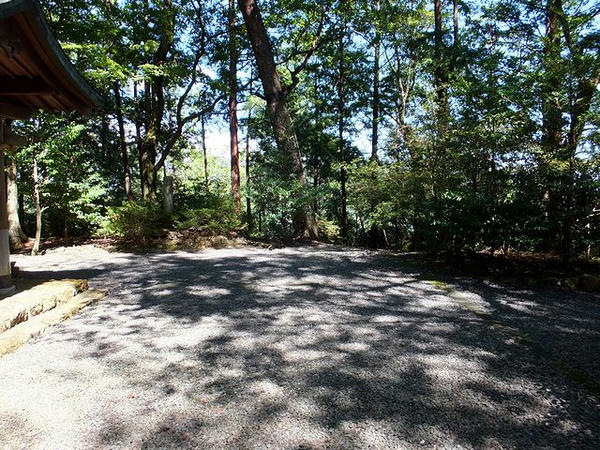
(291, 224)
(415, 125)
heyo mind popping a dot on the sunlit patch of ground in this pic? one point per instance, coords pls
(300, 348)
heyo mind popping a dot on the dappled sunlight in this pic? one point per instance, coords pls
(349, 349)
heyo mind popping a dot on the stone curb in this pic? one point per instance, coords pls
(43, 297)
(15, 337)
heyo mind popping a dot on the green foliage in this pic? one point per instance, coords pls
(329, 231)
(135, 221)
(482, 174)
(209, 220)
(210, 212)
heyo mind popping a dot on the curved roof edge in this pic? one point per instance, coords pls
(9, 8)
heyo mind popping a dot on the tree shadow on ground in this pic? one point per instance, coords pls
(314, 348)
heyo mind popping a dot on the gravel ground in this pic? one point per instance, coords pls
(296, 349)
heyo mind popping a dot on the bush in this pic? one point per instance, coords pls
(209, 214)
(135, 220)
(329, 231)
(209, 220)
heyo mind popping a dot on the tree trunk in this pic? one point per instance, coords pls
(168, 204)
(283, 126)
(377, 45)
(440, 75)
(16, 235)
(248, 201)
(260, 216)
(233, 118)
(154, 99)
(138, 130)
(204, 152)
(123, 143)
(149, 146)
(551, 115)
(551, 108)
(38, 209)
(341, 123)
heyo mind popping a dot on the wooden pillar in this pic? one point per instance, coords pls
(5, 275)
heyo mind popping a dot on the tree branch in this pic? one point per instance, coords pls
(308, 53)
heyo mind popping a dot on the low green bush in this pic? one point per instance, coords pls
(208, 220)
(135, 220)
(209, 214)
(329, 231)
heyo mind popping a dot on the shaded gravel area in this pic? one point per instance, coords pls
(299, 348)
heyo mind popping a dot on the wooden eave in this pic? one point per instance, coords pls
(35, 73)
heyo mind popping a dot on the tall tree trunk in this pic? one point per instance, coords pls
(377, 45)
(551, 108)
(154, 99)
(551, 114)
(440, 74)
(249, 220)
(403, 85)
(233, 118)
(138, 131)
(285, 134)
(341, 124)
(204, 152)
(16, 235)
(319, 128)
(123, 143)
(168, 204)
(149, 147)
(38, 208)
(442, 118)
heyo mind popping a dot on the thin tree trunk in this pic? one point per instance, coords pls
(440, 74)
(285, 134)
(551, 113)
(123, 143)
(377, 45)
(138, 130)
(260, 217)
(315, 156)
(233, 118)
(38, 209)
(149, 147)
(16, 235)
(551, 108)
(204, 152)
(154, 103)
(341, 123)
(168, 204)
(248, 201)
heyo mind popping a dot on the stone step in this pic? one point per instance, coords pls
(18, 335)
(43, 297)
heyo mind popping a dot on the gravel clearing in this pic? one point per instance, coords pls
(302, 348)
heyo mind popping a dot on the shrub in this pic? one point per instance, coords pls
(329, 231)
(135, 220)
(209, 220)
